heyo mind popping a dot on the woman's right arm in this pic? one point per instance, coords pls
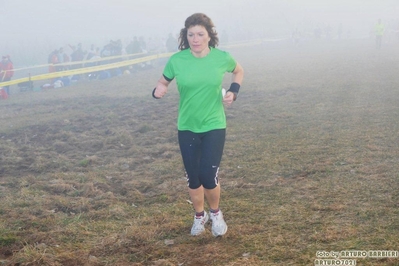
(161, 88)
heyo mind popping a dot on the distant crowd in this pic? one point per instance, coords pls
(59, 59)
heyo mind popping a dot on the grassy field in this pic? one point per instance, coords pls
(91, 174)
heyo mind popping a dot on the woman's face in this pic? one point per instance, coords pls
(198, 39)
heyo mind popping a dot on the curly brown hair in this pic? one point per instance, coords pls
(198, 19)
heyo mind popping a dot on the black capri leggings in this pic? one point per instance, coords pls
(202, 153)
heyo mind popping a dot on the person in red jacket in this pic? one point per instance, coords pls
(6, 71)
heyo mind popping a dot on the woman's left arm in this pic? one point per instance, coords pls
(238, 74)
(231, 94)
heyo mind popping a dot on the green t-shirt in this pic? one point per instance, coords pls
(199, 82)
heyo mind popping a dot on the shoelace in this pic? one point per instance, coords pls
(200, 219)
(215, 215)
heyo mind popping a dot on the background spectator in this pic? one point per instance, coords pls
(6, 71)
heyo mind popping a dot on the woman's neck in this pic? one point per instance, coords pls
(201, 54)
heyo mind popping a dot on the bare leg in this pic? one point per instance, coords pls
(213, 197)
(197, 197)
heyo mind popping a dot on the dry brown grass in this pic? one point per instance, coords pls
(92, 175)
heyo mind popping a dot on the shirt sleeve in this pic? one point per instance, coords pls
(230, 62)
(168, 72)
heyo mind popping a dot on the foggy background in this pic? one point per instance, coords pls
(32, 29)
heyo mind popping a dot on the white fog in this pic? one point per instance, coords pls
(32, 29)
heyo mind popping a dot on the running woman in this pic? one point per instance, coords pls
(199, 68)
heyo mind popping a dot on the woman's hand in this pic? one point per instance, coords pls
(161, 89)
(228, 98)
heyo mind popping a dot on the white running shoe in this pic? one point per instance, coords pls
(219, 226)
(199, 224)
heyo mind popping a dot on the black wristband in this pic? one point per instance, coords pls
(153, 94)
(234, 88)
